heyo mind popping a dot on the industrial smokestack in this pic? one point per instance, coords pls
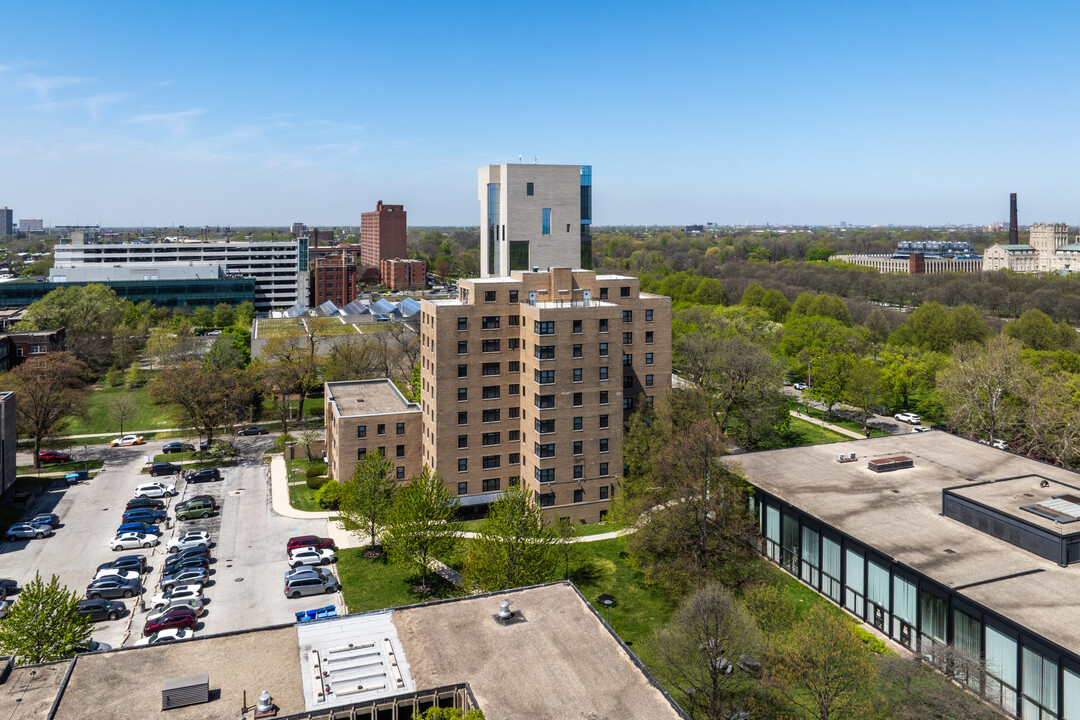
(1014, 229)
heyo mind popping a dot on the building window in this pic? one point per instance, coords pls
(648, 358)
(545, 499)
(513, 367)
(400, 472)
(545, 221)
(463, 371)
(381, 429)
(546, 327)
(603, 492)
(649, 337)
(401, 428)
(624, 291)
(603, 469)
(603, 350)
(529, 189)
(604, 373)
(544, 352)
(462, 394)
(491, 438)
(579, 496)
(577, 351)
(514, 480)
(544, 402)
(578, 423)
(463, 488)
(400, 451)
(512, 320)
(603, 293)
(577, 374)
(513, 435)
(462, 442)
(544, 377)
(489, 296)
(545, 450)
(577, 400)
(603, 421)
(628, 338)
(603, 397)
(648, 316)
(463, 418)
(577, 327)
(513, 390)
(544, 427)
(489, 369)
(491, 462)
(512, 344)
(491, 416)
(603, 325)
(628, 382)
(462, 323)
(491, 485)
(489, 346)
(512, 413)
(462, 464)
(603, 445)
(490, 322)
(545, 476)
(579, 472)
(513, 299)
(360, 453)
(462, 347)
(361, 432)
(578, 447)
(628, 403)
(627, 316)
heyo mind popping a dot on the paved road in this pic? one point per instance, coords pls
(249, 557)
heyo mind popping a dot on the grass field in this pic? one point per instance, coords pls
(801, 432)
(582, 530)
(836, 420)
(65, 467)
(146, 416)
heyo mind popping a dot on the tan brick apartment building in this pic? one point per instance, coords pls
(399, 274)
(364, 416)
(527, 379)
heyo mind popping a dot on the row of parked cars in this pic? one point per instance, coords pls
(308, 557)
(39, 526)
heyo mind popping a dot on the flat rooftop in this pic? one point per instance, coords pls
(29, 692)
(367, 397)
(1011, 496)
(899, 513)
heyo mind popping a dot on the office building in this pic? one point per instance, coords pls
(279, 268)
(936, 540)
(163, 293)
(399, 274)
(334, 279)
(534, 216)
(298, 228)
(382, 234)
(913, 263)
(7, 226)
(31, 225)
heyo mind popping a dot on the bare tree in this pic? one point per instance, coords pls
(48, 389)
(980, 384)
(122, 408)
(296, 356)
(206, 398)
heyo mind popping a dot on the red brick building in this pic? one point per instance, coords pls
(335, 279)
(398, 274)
(382, 234)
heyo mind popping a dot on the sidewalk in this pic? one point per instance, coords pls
(827, 426)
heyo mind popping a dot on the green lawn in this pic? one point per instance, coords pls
(582, 530)
(373, 584)
(801, 432)
(836, 420)
(302, 497)
(65, 467)
(145, 417)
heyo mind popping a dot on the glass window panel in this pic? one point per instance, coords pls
(1071, 688)
(830, 568)
(877, 584)
(904, 602)
(790, 552)
(966, 639)
(934, 621)
(856, 588)
(772, 532)
(811, 562)
(1001, 669)
(1040, 683)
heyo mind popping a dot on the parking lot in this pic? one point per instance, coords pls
(248, 555)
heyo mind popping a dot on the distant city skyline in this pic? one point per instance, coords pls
(737, 113)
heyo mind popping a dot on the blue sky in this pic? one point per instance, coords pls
(266, 113)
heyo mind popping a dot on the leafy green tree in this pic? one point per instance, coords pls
(438, 713)
(776, 305)
(818, 253)
(422, 525)
(864, 389)
(205, 398)
(224, 315)
(368, 497)
(1037, 330)
(709, 292)
(48, 390)
(907, 371)
(514, 547)
(202, 316)
(981, 386)
(831, 377)
(228, 351)
(43, 626)
(89, 314)
(133, 376)
(245, 314)
(1051, 416)
(752, 295)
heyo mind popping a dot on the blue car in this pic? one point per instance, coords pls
(146, 515)
(138, 527)
(49, 519)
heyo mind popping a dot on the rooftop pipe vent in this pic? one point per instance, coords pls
(506, 616)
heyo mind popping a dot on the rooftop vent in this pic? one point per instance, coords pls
(190, 690)
(506, 616)
(898, 462)
(1060, 508)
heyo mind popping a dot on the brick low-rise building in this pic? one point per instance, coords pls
(335, 280)
(399, 274)
(365, 416)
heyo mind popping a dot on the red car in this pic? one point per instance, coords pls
(310, 541)
(52, 456)
(181, 617)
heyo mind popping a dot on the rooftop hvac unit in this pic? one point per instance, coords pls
(190, 690)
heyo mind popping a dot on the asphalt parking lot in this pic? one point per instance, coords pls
(249, 558)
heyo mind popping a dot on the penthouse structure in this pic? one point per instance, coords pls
(382, 234)
(279, 268)
(534, 216)
(936, 540)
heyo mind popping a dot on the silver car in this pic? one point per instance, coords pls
(311, 585)
(27, 530)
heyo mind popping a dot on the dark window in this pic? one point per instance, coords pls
(648, 380)
(578, 422)
(400, 451)
(462, 394)
(513, 367)
(578, 447)
(603, 325)
(544, 377)
(513, 459)
(603, 444)
(463, 418)
(463, 371)
(579, 472)
(603, 492)
(489, 369)
(491, 438)
(545, 475)
(649, 337)
(546, 327)
(544, 427)
(528, 188)
(462, 347)
(627, 382)
(512, 320)
(360, 453)
(489, 322)
(381, 429)
(627, 359)
(491, 485)
(627, 316)
(514, 480)
(577, 327)
(603, 350)
(492, 461)
(491, 416)
(579, 496)
(513, 299)
(361, 431)
(512, 412)
(462, 464)
(577, 374)
(463, 488)
(513, 435)
(462, 441)
(546, 499)
(603, 373)
(603, 293)
(648, 316)
(512, 344)
(401, 428)
(603, 421)
(648, 358)
(490, 345)
(603, 469)
(513, 390)
(624, 291)
(544, 352)
(545, 450)
(400, 473)
(492, 392)
(545, 402)
(462, 323)
(577, 400)
(577, 351)
(603, 397)
(628, 403)
(628, 338)
(489, 296)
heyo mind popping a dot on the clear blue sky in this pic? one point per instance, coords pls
(264, 113)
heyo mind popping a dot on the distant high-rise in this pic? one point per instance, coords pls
(7, 226)
(534, 216)
(382, 234)
(1014, 228)
(31, 225)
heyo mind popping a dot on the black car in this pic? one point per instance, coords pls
(174, 564)
(126, 562)
(99, 609)
(178, 447)
(113, 587)
(204, 475)
(195, 552)
(137, 503)
(164, 468)
(253, 430)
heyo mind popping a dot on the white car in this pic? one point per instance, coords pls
(110, 572)
(129, 540)
(5, 605)
(920, 428)
(128, 440)
(195, 538)
(167, 636)
(155, 490)
(910, 418)
(306, 570)
(194, 603)
(1000, 444)
(311, 556)
(180, 592)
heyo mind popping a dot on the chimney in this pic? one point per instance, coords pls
(378, 206)
(1014, 230)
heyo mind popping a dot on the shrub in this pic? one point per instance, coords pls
(315, 470)
(281, 441)
(317, 482)
(329, 495)
(873, 644)
(222, 449)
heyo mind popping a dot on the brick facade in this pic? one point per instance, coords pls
(382, 234)
(398, 274)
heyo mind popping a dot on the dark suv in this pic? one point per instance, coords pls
(204, 475)
(145, 503)
(310, 541)
(164, 468)
(99, 609)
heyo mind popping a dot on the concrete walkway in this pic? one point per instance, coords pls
(828, 426)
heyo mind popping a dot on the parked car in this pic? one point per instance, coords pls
(198, 498)
(74, 478)
(26, 530)
(195, 509)
(53, 456)
(155, 490)
(50, 519)
(195, 605)
(138, 527)
(131, 540)
(5, 605)
(801, 386)
(195, 538)
(100, 609)
(252, 430)
(146, 515)
(117, 572)
(8, 586)
(311, 585)
(204, 445)
(310, 541)
(303, 570)
(185, 576)
(167, 636)
(180, 592)
(113, 587)
(311, 556)
(907, 417)
(164, 468)
(178, 617)
(144, 502)
(127, 562)
(199, 552)
(177, 447)
(174, 564)
(93, 646)
(127, 441)
(920, 428)
(203, 475)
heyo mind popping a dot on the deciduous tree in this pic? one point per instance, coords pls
(122, 409)
(368, 497)
(48, 390)
(43, 625)
(980, 387)
(514, 547)
(423, 525)
(205, 398)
